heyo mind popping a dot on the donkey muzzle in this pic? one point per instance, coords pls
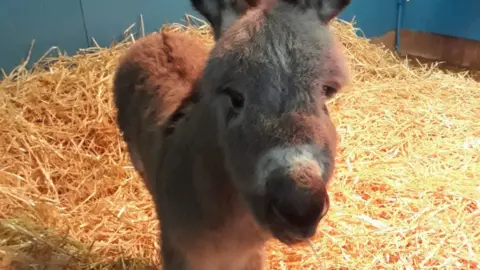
(296, 199)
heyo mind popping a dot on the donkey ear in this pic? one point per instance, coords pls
(222, 13)
(326, 9)
(329, 9)
(210, 9)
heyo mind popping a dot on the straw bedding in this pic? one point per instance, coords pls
(406, 193)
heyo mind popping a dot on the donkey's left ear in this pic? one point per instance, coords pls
(329, 9)
(326, 9)
(222, 13)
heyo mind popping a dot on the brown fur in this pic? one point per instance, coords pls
(172, 60)
(160, 69)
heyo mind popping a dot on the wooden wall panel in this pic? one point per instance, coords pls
(453, 50)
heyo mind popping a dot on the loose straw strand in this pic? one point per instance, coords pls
(320, 262)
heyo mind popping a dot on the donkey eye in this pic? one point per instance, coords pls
(329, 90)
(236, 99)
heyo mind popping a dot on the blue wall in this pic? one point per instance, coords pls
(71, 24)
(458, 18)
(374, 17)
(107, 19)
(49, 22)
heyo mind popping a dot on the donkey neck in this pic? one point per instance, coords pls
(199, 206)
(213, 190)
(212, 180)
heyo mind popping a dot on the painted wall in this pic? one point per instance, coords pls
(373, 17)
(50, 23)
(107, 19)
(71, 24)
(460, 18)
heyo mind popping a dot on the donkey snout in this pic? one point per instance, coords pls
(296, 202)
(295, 181)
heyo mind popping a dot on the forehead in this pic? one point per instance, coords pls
(275, 43)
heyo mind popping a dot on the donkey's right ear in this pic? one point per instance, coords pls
(326, 9)
(222, 13)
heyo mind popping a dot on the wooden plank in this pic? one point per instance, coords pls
(452, 50)
(419, 45)
(50, 23)
(107, 19)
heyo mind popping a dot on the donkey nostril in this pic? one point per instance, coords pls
(298, 206)
(298, 214)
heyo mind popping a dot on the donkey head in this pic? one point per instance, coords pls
(222, 13)
(265, 86)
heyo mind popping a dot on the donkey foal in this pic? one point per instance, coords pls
(249, 151)
(253, 156)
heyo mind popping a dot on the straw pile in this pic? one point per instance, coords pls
(406, 193)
